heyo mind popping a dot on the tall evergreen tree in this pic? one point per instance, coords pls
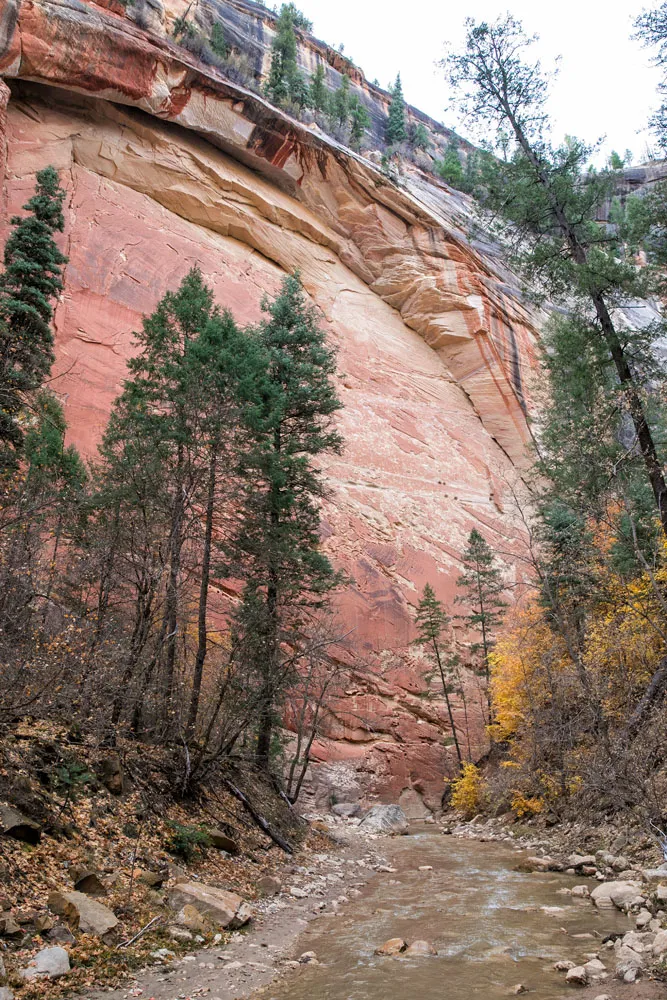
(396, 129)
(552, 201)
(319, 95)
(159, 412)
(651, 28)
(360, 121)
(291, 426)
(284, 71)
(481, 586)
(431, 622)
(340, 102)
(31, 280)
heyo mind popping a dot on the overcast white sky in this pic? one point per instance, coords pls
(606, 84)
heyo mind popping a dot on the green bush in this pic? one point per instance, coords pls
(186, 841)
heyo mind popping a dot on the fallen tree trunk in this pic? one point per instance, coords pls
(259, 820)
(652, 694)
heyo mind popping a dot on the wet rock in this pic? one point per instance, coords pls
(14, 824)
(222, 842)
(85, 914)
(420, 949)
(595, 967)
(581, 860)
(518, 989)
(220, 907)
(387, 819)
(564, 965)
(394, 946)
(536, 864)
(580, 892)
(308, 958)
(577, 976)
(425, 868)
(269, 885)
(49, 963)
(602, 996)
(618, 894)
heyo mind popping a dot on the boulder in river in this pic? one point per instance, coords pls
(577, 976)
(618, 894)
(387, 819)
(394, 946)
(420, 949)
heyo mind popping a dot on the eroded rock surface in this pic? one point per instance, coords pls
(167, 165)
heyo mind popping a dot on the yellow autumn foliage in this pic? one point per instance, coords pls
(468, 791)
(517, 669)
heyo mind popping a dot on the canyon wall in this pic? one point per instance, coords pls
(167, 164)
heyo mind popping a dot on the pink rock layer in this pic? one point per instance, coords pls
(168, 165)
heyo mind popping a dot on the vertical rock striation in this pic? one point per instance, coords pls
(168, 164)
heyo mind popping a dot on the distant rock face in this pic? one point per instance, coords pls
(168, 165)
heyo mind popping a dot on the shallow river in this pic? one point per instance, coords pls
(485, 920)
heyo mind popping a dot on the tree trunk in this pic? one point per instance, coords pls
(449, 706)
(202, 638)
(647, 446)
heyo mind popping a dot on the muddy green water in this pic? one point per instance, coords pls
(484, 919)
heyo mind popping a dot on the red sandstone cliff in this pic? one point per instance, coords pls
(167, 164)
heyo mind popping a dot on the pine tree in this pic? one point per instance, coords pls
(481, 586)
(418, 136)
(431, 622)
(395, 129)
(31, 280)
(552, 201)
(450, 169)
(217, 41)
(340, 103)
(290, 425)
(361, 120)
(159, 414)
(284, 71)
(319, 95)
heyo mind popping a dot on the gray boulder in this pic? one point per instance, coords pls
(618, 894)
(49, 963)
(387, 819)
(6, 993)
(346, 809)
